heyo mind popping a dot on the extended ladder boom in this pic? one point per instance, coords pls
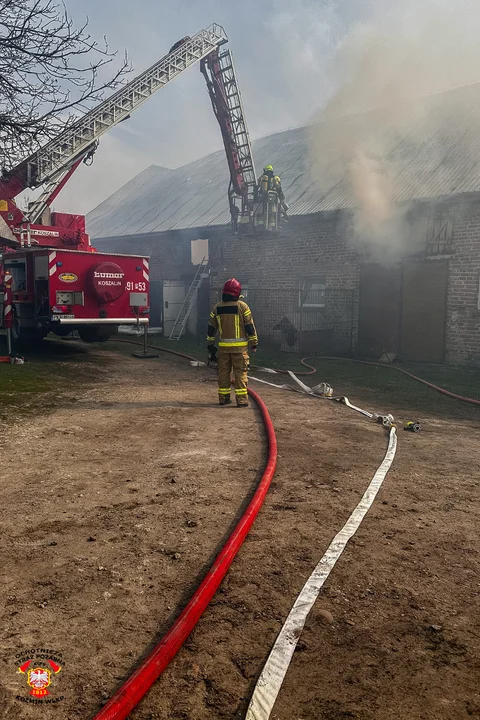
(251, 208)
(77, 140)
(219, 73)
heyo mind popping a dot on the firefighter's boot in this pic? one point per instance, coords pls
(224, 399)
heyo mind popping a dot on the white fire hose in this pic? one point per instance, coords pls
(271, 679)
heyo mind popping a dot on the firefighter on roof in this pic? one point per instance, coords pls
(232, 320)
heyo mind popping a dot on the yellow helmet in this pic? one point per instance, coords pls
(268, 167)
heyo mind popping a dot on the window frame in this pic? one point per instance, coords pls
(303, 294)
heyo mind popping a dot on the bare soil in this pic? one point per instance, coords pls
(116, 500)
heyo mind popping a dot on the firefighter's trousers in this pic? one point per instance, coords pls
(238, 364)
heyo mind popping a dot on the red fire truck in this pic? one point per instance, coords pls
(57, 282)
(63, 290)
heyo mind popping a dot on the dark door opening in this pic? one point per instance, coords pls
(424, 300)
(379, 313)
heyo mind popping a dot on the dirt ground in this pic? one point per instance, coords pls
(116, 500)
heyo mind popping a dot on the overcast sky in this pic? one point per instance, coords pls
(281, 48)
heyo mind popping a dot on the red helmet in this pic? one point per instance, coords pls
(232, 287)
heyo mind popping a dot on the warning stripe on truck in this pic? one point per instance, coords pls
(52, 265)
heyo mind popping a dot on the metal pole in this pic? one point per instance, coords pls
(145, 339)
(145, 353)
(8, 308)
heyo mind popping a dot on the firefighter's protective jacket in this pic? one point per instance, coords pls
(269, 182)
(234, 323)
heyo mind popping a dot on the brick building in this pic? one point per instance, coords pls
(318, 286)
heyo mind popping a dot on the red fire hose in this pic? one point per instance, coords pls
(132, 691)
(438, 388)
(135, 688)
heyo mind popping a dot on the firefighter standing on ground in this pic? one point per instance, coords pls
(232, 320)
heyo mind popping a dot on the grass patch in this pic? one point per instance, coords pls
(387, 389)
(28, 378)
(52, 369)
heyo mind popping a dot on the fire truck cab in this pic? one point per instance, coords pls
(64, 290)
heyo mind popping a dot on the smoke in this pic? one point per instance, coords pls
(305, 40)
(371, 186)
(347, 56)
(404, 52)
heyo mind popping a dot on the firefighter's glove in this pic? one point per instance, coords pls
(212, 354)
(253, 348)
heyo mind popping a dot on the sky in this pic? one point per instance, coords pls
(282, 50)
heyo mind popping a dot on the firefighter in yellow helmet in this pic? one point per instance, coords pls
(269, 181)
(232, 320)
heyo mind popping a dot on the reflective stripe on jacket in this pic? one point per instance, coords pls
(233, 322)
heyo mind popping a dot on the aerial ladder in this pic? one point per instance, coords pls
(251, 210)
(50, 167)
(53, 164)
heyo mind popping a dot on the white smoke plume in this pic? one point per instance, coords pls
(304, 38)
(404, 52)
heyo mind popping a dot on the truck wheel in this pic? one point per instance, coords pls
(94, 334)
(62, 331)
(26, 336)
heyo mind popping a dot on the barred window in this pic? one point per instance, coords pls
(312, 293)
(440, 234)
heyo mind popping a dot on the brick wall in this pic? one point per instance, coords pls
(324, 247)
(463, 315)
(308, 247)
(170, 253)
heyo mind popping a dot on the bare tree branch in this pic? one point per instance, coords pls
(48, 70)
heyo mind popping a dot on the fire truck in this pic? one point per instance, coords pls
(55, 280)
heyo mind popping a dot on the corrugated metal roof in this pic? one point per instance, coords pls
(428, 148)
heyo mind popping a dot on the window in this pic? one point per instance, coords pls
(312, 293)
(19, 275)
(440, 234)
(199, 251)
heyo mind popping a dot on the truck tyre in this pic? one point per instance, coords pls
(23, 336)
(27, 336)
(94, 334)
(62, 331)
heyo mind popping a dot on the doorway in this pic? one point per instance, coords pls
(173, 297)
(424, 304)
